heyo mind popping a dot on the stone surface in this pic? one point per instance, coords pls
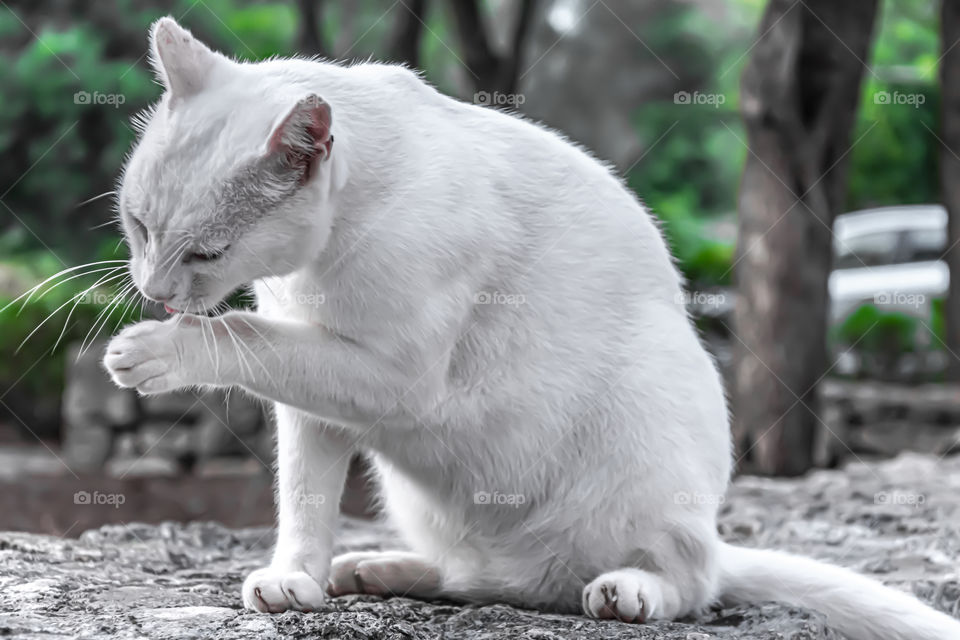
(174, 581)
(898, 520)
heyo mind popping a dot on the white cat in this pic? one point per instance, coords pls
(477, 302)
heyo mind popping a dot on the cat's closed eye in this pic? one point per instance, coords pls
(140, 228)
(205, 256)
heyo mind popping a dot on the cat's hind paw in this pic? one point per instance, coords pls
(628, 595)
(274, 591)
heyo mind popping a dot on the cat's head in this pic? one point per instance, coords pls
(231, 179)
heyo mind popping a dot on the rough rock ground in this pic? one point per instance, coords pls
(898, 520)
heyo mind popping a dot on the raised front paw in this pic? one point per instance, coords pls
(273, 591)
(148, 356)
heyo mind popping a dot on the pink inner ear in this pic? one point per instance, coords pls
(313, 117)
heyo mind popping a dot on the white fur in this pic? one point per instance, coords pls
(490, 312)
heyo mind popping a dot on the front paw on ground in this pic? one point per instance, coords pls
(274, 591)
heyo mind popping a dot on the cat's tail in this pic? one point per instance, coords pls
(860, 608)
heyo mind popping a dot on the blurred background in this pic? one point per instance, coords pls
(800, 156)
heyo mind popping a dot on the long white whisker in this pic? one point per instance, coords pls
(265, 341)
(29, 292)
(102, 320)
(237, 342)
(172, 258)
(70, 315)
(95, 198)
(174, 253)
(126, 311)
(73, 277)
(219, 309)
(57, 310)
(122, 298)
(214, 356)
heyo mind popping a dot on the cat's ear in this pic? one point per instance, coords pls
(182, 63)
(302, 139)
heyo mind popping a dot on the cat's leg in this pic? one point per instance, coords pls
(384, 573)
(312, 461)
(296, 363)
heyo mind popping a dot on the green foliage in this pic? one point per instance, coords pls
(882, 339)
(894, 160)
(30, 362)
(703, 260)
(938, 323)
(261, 30)
(875, 331)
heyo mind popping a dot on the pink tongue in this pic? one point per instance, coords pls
(170, 309)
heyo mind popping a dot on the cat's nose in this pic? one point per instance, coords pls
(157, 295)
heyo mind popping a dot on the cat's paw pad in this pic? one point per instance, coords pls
(145, 356)
(628, 595)
(273, 591)
(343, 574)
(383, 573)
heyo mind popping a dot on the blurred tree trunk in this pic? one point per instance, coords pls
(308, 40)
(488, 70)
(950, 170)
(405, 42)
(799, 95)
